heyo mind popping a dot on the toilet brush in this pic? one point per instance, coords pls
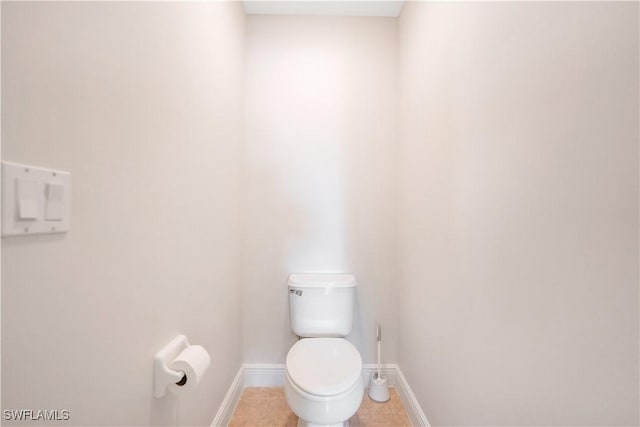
(378, 391)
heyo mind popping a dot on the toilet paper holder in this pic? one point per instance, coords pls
(163, 376)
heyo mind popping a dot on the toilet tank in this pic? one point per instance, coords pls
(321, 305)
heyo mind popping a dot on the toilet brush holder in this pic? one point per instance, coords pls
(378, 390)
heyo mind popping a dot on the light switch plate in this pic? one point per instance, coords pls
(34, 200)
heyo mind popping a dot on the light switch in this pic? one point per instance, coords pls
(54, 202)
(27, 192)
(34, 200)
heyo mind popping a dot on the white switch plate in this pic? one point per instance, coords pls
(51, 216)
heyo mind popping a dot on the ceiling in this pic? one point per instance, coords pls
(324, 7)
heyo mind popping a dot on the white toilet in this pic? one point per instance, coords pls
(324, 384)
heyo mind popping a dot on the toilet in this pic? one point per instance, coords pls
(323, 384)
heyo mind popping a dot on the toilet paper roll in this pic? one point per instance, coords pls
(194, 362)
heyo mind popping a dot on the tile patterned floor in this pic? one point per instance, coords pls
(267, 407)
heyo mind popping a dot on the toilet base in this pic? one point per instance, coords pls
(303, 423)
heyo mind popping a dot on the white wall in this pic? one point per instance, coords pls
(320, 155)
(518, 212)
(142, 102)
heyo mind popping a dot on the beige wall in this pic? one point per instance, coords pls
(518, 212)
(142, 102)
(319, 162)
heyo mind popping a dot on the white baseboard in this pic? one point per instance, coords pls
(272, 375)
(411, 405)
(228, 405)
(263, 375)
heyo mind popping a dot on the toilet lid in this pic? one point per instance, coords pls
(324, 366)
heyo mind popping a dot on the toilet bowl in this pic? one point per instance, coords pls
(324, 384)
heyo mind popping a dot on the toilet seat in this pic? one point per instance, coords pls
(324, 366)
